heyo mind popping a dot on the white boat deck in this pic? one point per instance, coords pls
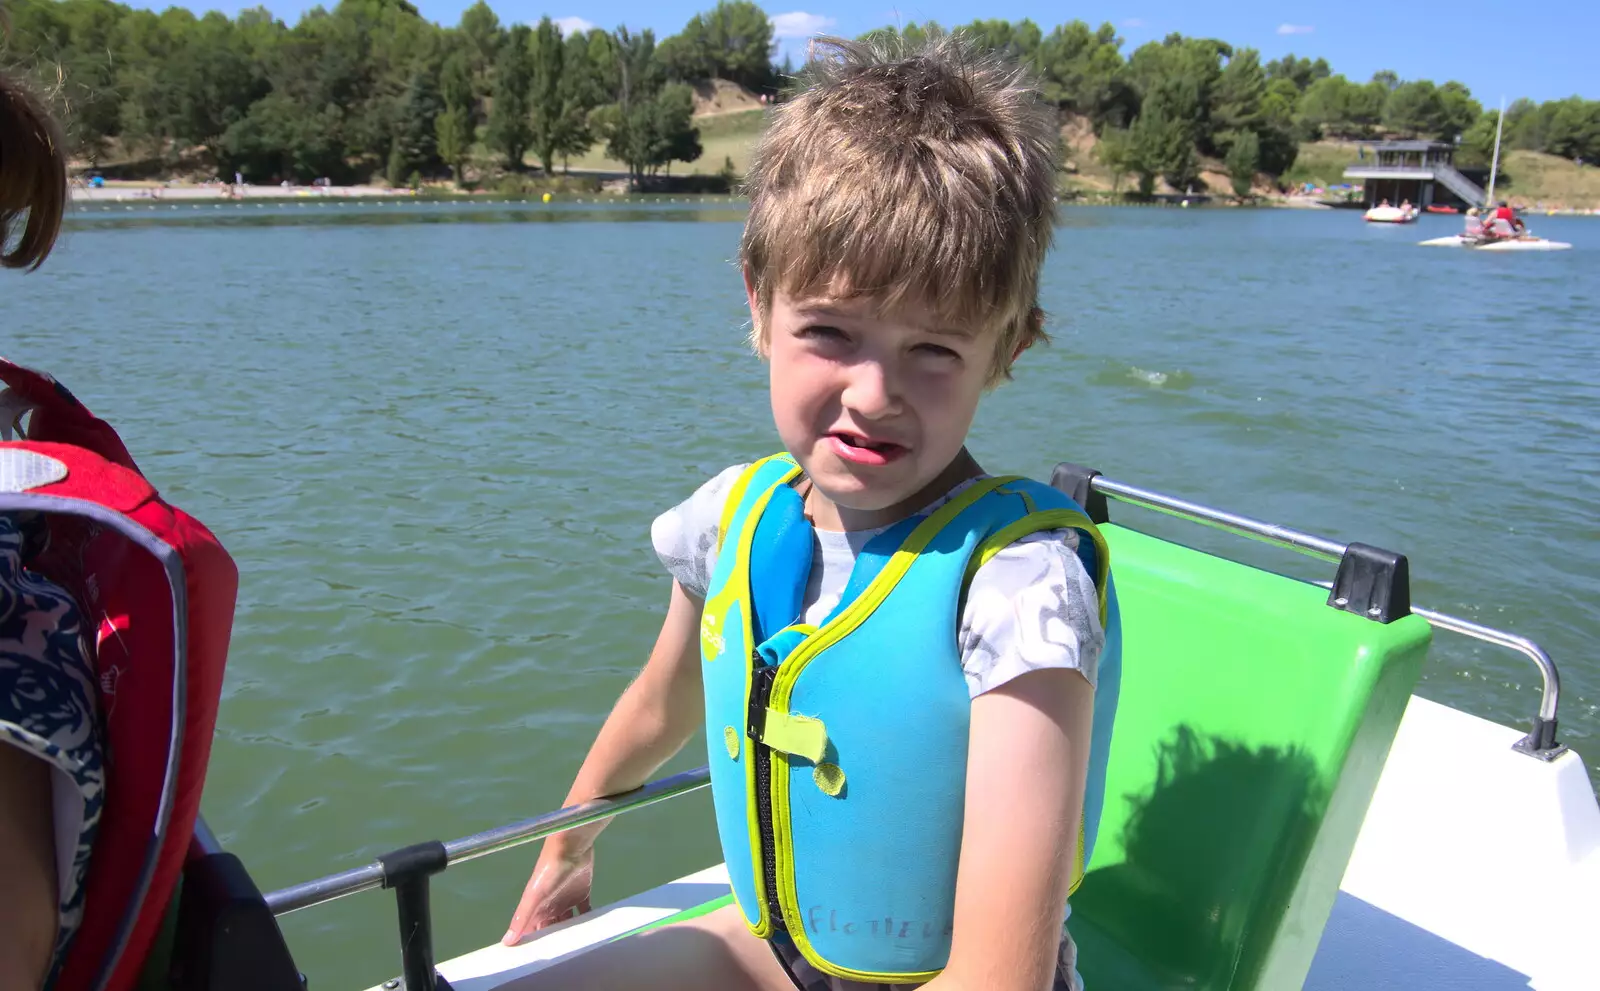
(1477, 869)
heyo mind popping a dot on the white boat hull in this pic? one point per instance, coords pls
(1389, 215)
(1476, 867)
(1510, 244)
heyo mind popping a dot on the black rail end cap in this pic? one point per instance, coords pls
(1373, 583)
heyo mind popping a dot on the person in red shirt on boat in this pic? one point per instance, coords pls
(1504, 222)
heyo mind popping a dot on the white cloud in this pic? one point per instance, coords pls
(799, 24)
(1295, 28)
(1133, 22)
(573, 25)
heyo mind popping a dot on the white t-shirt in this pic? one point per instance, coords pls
(1031, 606)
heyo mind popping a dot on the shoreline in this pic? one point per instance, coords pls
(152, 194)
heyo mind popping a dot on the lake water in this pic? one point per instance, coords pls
(434, 436)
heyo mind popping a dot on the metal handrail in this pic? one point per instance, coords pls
(1312, 545)
(1541, 741)
(370, 876)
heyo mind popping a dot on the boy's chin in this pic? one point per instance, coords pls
(850, 491)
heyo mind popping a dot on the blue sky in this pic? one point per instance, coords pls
(1543, 49)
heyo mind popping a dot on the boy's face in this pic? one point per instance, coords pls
(875, 407)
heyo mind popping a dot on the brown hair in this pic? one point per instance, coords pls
(33, 175)
(911, 174)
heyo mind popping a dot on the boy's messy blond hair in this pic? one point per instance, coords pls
(918, 174)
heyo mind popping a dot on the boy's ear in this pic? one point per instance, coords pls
(1032, 330)
(757, 334)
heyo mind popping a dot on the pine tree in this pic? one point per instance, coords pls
(510, 123)
(548, 109)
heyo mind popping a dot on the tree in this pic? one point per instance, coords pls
(416, 145)
(1115, 151)
(581, 91)
(1572, 128)
(674, 137)
(549, 109)
(1236, 100)
(1457, 111)
(480, 30)
(629, 126)
(1244, 156)
(732, 42)
(1279, 145)
(1187, 71)
(1477, 142)
(453, 127)
(1325, 107)
(1018, 42)
(510, 126)
(1083, 71)
(1525, 126)
(1301, 72)
(1162, 138)
(1415, 108)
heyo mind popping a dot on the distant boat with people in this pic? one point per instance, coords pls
(1498, 228)
(1383, 213)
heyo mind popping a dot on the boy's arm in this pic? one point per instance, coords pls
(653, 719)
(656, 715)
(1026, 766)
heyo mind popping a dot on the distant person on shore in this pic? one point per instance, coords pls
(901, 207)
(51, 770)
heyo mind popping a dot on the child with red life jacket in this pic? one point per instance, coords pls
(115, 613)
(51, 767)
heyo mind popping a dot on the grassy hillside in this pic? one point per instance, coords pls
(722, 136)
(1527, 178)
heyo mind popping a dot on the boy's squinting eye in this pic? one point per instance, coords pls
(937, 351)
(822, 332)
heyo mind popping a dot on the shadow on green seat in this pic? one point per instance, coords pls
(1190, 858)
(1253, 722)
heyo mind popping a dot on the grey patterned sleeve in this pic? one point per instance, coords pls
(685, 536)
(1031, 606)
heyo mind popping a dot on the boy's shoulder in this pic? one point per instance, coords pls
(685, 536)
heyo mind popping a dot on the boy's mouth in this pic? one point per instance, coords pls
(862, 450)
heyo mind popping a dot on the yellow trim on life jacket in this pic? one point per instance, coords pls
(730, 505)
(1048, 519)
(736, 592)
(831, 633)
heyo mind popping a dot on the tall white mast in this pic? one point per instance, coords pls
(1494, 169)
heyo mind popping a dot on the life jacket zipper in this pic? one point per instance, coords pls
(760, 695)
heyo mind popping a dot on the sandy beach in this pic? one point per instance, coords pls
(120, 192)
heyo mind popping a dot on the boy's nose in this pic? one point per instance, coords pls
(871, 391)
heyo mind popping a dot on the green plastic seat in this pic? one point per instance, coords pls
(1253, 723)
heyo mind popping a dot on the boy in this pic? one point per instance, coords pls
(894, 655)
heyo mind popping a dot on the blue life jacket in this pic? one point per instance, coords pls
(838, 753)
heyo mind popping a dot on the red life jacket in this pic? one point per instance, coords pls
(159, 588)
(1504, 213)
